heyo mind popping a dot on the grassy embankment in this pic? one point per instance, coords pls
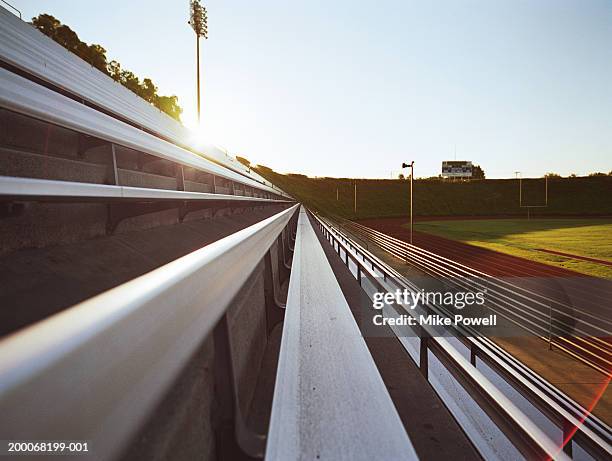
(578, 197)
(492, 197)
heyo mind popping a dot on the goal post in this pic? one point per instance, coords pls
(528, 206)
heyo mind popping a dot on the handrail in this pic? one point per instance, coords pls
(12, 7)
(472, 335)
(463, 268)
(406, 284)
(95, 371)
(591, 433)
(447, 271)
(577, 346)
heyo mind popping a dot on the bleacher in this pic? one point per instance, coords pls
(209, 318)
(99, 370)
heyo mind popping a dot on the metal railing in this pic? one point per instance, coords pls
(96, 370)
(13, 8)
(574, 421)
(544, 317)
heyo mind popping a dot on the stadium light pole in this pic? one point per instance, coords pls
(198, 20)
(411, 166)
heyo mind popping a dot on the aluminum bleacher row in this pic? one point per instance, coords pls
(202, 355)
(22, 96)
(507, 409)
(40, 82)
(129, 363)
(96, 370)
(120, 163)
(330, 401)
(26, 51)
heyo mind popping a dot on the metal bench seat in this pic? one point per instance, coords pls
(330, 401)
(96, 371)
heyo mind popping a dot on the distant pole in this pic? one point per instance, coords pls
(355, 198)
(337, 196)
(411, 198)
(198, 74)
(517, 176)
(198, 20)
(411, 166)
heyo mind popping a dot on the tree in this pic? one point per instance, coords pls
(65, 36)
(401, 176)
(114, 70)
(148, 90)
(244, 161)
(130, 81)
(552, 175)
(265, 169)
(169, 105)
(95, 55)
(47, 24)
(477, 172)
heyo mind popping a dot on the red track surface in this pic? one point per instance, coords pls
(589, 293)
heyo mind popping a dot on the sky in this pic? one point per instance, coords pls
(352, 89)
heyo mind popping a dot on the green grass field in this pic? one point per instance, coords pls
(520, 237)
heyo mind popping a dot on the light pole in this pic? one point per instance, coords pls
(411, 166)
(199, 23)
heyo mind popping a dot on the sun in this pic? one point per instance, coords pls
(207, 133)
